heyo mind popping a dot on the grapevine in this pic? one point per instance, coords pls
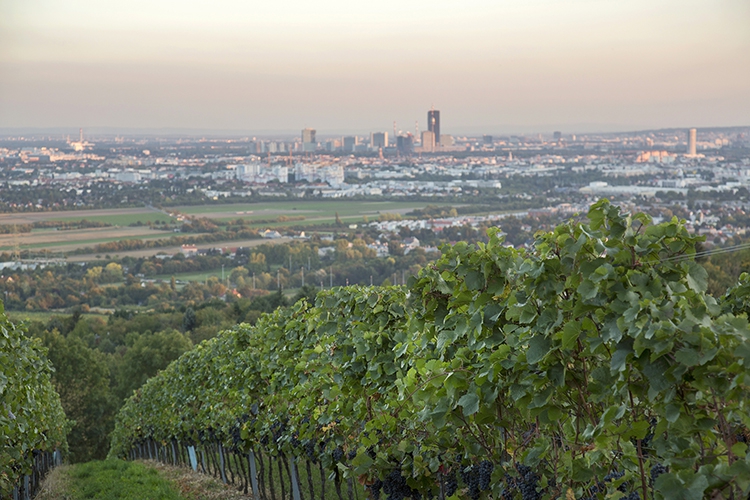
(593, 364)
(31, 416)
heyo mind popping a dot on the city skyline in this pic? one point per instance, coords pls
(523, 67)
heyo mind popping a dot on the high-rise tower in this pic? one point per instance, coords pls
(379, 140)
(308, 140)
(692, 137)
(308, 135)
(433, 124)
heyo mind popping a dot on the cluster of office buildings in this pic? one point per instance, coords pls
(400, 142)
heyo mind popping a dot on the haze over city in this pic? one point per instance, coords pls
(491, 67)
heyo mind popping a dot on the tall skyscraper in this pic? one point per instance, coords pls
(379, 140)
(308, 135)
(433, 124)
(308, 140)
(692, 137)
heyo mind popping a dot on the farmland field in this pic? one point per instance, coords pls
(124, 219)
(259, 215)
(314, 212)
(116, 216)
(67, 240)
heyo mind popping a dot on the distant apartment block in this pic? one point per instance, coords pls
(379, 140)
(428, 141)
(405, 144)
(350, 143)
(308, 140)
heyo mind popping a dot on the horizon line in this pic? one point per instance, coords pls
(195, 132)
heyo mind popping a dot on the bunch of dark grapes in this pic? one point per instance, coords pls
(375, 489)
(510, 489)
(527, 483)
(395, 487)
(295, 442)
(236, 438)
(656, 471)
(470, 477)
(599, 486)
(310, 451)
(451, 484)
(352, 453)
(277, 430)
(613, 476)
(338, 454)
(485, 474)
(646, 441)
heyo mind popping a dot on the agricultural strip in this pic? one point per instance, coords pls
(311, 210)
(133, 214)
(147, 252)
(71, 239)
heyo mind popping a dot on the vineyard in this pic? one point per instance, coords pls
(592, 366)
(32, 422)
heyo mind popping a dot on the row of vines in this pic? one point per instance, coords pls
(592, 366)
(32, 422)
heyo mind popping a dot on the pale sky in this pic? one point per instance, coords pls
(349, 65)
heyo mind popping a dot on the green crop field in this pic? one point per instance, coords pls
(307, 209)
(124, 219)
(267, 214)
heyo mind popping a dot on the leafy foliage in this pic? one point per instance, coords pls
(593, 365)
(31, 417)
(82, 379)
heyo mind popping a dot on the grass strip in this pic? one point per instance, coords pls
(118, 479)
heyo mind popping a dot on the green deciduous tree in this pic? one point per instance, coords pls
(82, 379)
(146, 355)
